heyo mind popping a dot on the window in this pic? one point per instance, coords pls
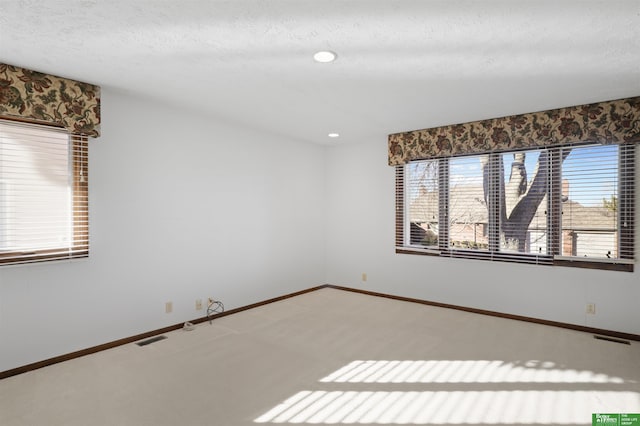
(570, 206)
(43, 194)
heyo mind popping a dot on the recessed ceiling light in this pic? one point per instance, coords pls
(333, 135)
(325, 56)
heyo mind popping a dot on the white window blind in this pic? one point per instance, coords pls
(423, 193)
(547, 206)
(43, 194)
(524, 202)
(593, 226)
(468, 211)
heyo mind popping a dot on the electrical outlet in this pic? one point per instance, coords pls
(591, 308)
(364, 276)
(199, 305)
(168, 307)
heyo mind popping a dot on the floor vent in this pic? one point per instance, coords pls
(150, 341)
(611, 339)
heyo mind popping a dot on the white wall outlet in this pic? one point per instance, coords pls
(591, 308)
(198, 304)
(364, 277)
(168, 307)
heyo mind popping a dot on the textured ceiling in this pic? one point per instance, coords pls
(402, 65)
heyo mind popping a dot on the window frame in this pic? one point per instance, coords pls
(78, 247)
(625, 261)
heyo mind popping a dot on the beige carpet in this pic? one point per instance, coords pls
(335, 357)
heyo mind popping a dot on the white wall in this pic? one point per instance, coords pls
(180, 208)
(185, 207)
(361, 235)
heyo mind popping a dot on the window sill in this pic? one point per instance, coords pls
(623, 265)
(417, 250)
(28, 257)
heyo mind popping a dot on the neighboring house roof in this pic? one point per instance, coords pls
(424, 208)
(467, 205)
(576, 216)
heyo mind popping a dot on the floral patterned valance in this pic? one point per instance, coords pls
(604, 122)
(35, 96)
